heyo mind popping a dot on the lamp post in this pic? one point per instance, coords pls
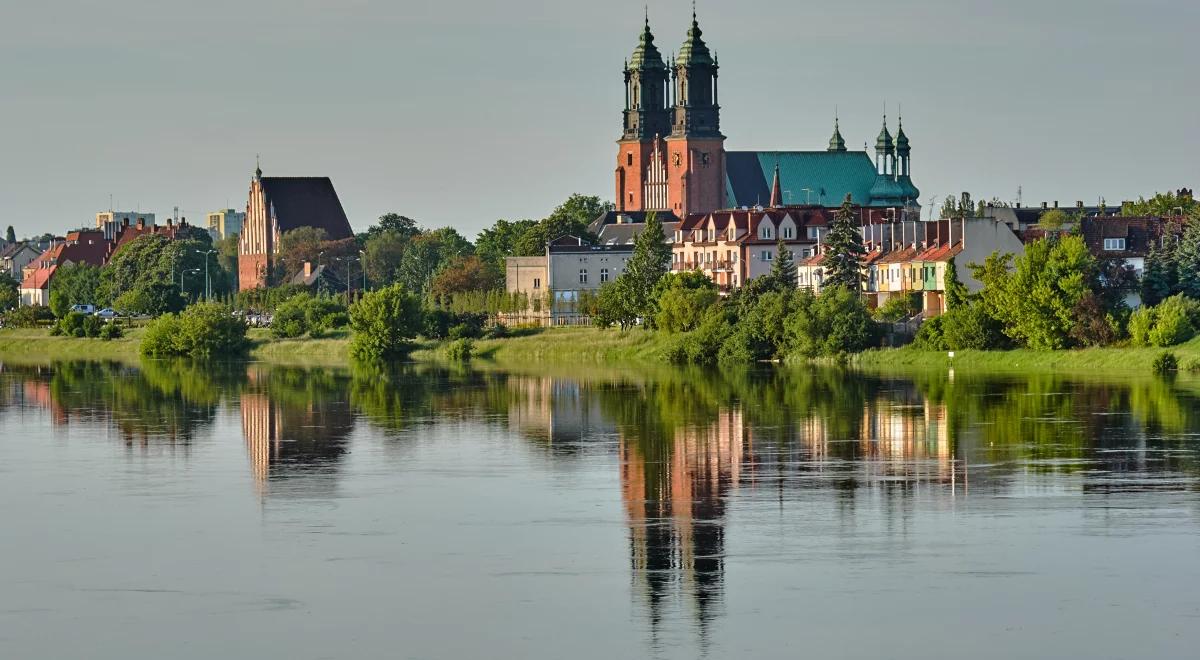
(362, 260)
(207, 283)
(347, 260)
(181, 274)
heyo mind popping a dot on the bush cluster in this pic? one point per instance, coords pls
(1171, 322)
(30, 316)
(77, 324)
(204, 330)
(384, 322)
(305, 314)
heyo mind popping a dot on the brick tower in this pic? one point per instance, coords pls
(641, 180)
(695, 146)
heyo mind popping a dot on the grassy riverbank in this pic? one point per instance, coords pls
(593, 347)
(1118, 360)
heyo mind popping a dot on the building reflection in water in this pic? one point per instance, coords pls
(675, 492)
(297, 430)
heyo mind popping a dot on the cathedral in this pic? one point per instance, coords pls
(671, 155)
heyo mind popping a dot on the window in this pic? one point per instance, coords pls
(603, 275)
(629, 159)
(765, 232)
(537, 282)
(712, 234)
(583, 276)
(814, 233)
(787, 232)
(1116, 244)
(805, 253)
(766, 255)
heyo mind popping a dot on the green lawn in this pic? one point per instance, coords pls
(1120, 360)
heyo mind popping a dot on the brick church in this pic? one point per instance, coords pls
(672, 156)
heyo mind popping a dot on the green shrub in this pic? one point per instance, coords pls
(204, 330)
(898, 308)
(1141, 322)
(460, 350)
(1192, 366)
(77, 324)
(969, 327)
(496, 331)
(1164, 363)
(931, 335)
(833, 323)
(28, 317)
(1172, 322)
(681, 309)
(383, 322)
(111, 331)
(291, 317)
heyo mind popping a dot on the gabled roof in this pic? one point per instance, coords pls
(80, 247)
(307, 202)
(12, 249)
(819, 177)
(1140, 234)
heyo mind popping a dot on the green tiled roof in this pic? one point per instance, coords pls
(694, 50)
(646, 55)
(828, 175)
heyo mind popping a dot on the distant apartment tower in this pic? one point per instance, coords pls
(225, 223)
(111, 222)
(279, 204)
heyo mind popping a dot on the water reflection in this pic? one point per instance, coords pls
(693, 453)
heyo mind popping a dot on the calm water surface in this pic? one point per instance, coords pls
(178, 512)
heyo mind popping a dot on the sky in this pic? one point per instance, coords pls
(463, 112)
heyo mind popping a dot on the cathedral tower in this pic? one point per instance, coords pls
(641, 162)
(696, 148)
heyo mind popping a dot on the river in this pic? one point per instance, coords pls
(178, 511)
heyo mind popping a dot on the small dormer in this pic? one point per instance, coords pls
(766, 230)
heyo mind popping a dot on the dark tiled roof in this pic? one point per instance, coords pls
(627, 217)
(1139, 233)
(307, 202)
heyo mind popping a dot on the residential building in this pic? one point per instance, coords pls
(1126, 242)
(110, 222)
(83, 246)
(911, 257)
(126, 234)
(14, 257)
(671, 154)
(281, 204)
(225, 223)
(575, 267)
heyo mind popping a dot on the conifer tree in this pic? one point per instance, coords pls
(844, 250)
(650, 261)
(783, 270)
(10, 235)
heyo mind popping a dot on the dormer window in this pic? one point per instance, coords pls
(765, 232)
(787, 232)
(1114, 244)
(712, 234)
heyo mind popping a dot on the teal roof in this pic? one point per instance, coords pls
(694, 51)
(646, 55)
(828, 175)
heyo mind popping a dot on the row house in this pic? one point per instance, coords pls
(79, 247)
(732, 247)
(911, 258)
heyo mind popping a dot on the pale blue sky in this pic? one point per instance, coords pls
(459, 113)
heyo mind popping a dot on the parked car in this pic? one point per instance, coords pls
(84, 309)
(108, 314)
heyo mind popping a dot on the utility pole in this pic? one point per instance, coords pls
(207, 283)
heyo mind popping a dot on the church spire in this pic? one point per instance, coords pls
(257, 168)
(776, 190)
(836, 143)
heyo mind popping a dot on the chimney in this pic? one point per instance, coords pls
(1045, 206)
(1056, 203)
(1079, 204)
(141, 224)
(170, 222)
(307, 268)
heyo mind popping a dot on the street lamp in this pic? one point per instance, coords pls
(347, 260)
(207, 284)
(181, 274)
(362, 260)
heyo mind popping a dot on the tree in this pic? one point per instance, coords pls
(956, 291)
(1038, 300)
(1166, 204)
(499, 241)
(650, 261)
(74, 284)
(783, 270)
(844, 250)
(145, 274)
(9, 292)
(614, 305)
(383, 323)
(205, 330)
(1053, 219)
(383, 253)
(466, 274)
(572, 217)
(683, 300)
(832, 323)
(1160, 279)
(10, 235)
(227, 258)
(402, 226)
(427, 254)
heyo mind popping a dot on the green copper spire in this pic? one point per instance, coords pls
(902, 147)
(694, 50)
(836, 143)
(646, 55)
(883, 143)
